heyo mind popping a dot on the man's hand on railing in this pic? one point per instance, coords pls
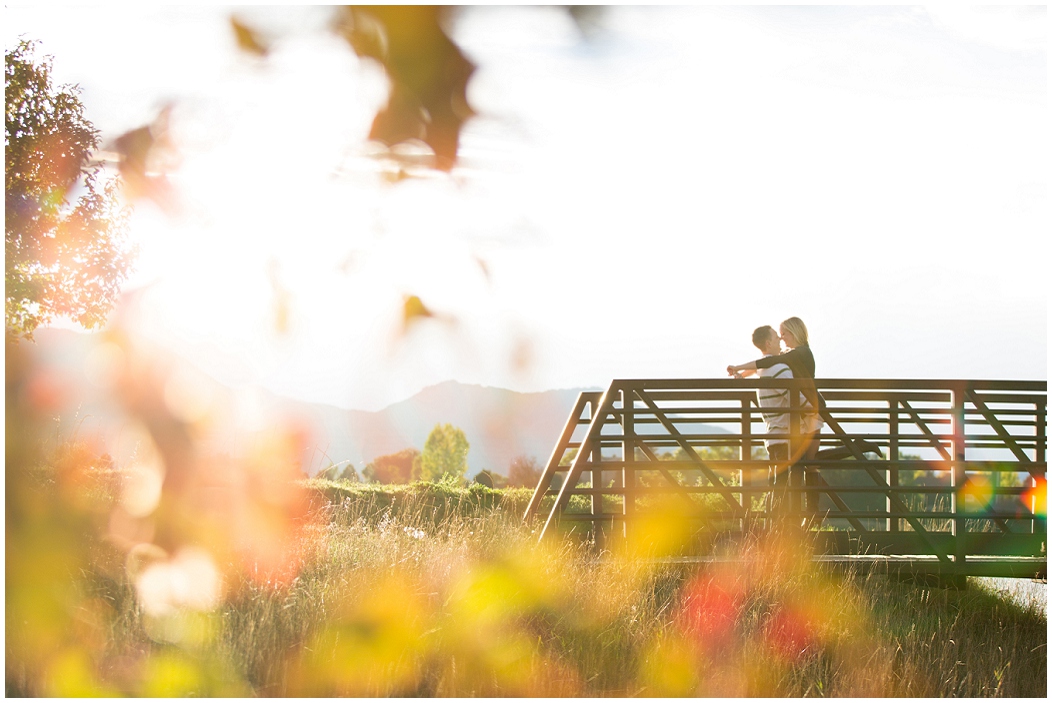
(742, 371)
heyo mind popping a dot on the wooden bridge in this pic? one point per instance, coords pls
(939, 477)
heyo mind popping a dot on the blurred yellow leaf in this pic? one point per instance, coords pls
(70, 675)
(172, 675)
(413, 310)
(282, 299)
(428, 73)
(372, 646)
(663, 529)
(670, 668)
(248, 40)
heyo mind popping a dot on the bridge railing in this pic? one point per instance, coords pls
(947, 471)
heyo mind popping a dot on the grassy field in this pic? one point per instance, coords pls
(440, 591)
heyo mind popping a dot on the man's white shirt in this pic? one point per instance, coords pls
(777, 399)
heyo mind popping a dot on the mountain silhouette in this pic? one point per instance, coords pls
(499, 424)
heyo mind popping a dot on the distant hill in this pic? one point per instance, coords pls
(500, 424)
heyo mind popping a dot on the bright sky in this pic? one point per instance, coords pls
(639, 200)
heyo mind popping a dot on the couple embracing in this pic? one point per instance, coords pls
(790, 444)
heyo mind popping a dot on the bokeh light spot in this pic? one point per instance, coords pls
(189, 580)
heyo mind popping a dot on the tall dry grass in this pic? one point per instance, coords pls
(444, 592)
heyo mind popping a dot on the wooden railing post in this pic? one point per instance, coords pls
(745, 476)
(893, 456)
(958, 479)
(1040, 408)
(628, 476)
(594, 457)
(797, 496)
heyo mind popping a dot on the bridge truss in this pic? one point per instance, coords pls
(943, 476)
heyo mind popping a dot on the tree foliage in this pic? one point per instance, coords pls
(445, 454)
(524, 472)
(336, 472)
(66, 250)
(392, 468)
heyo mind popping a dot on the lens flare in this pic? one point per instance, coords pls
(980, 490)
(1036, 497)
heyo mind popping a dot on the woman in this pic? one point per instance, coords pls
(799, 359)
(801, 362)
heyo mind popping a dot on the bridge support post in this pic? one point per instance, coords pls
(1038, 525)
(893, 456)
(745, 476)
(958, 480)
(798, 496)
(628, 475)
(599, 534)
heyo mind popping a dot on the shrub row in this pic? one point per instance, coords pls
(433, 503)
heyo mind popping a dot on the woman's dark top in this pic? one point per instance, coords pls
(802, 363)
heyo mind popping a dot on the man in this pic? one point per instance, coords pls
(774, 406)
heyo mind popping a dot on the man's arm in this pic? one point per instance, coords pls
(742, 370)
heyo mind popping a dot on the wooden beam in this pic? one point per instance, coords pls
(713, 478)
(935, 440)
(991, 419)
(550, 469)
(881, 484)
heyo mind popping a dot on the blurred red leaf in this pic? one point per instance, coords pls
(710, 608)
(790, 634)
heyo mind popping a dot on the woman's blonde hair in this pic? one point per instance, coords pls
(797, 328)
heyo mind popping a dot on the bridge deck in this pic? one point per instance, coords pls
(944, 475)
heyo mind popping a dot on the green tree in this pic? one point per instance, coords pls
(66, 246)
(445, 454)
